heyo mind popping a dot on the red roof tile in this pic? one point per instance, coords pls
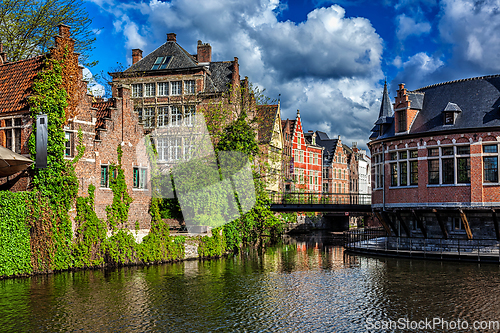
(103, 111)
(16, 80)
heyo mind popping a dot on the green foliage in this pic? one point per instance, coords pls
(120, 248)
(90, 234)
(118, 211)
(289, 217)
(15, 251)
(239, 136)
(214, 246)
(158, 246)
(29, 26)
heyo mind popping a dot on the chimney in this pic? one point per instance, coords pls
(136, 55)
(204, 52)
(64, 31)
(171, 37)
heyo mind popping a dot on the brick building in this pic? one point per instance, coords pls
(306, 158)
(172, 91)
(336, 167)
(435, 160)
(104, 125)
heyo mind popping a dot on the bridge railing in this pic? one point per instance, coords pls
(292, 198)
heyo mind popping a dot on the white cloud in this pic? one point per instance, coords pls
(407, 26)
(473, 30)
(419, 70)
(93, 87)
(329, 66)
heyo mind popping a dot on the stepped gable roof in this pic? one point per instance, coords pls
(478, 98)
(266, 117)
(103, 111)
(16, 80)
(180, 58)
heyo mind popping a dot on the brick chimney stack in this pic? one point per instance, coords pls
(204, 52)
(136, 55)
(171, 37)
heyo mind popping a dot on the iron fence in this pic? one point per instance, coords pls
(321, 198)
(376, 240)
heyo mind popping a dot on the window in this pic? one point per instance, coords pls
(176, 87)
(137, 90)
(463, 164)
(162, 148)
(161, 63)
(403, 173)
(490, 163)
(175, 149)
(175, 116)
(189, 87)
(402, 121)
(162, 116)
(433, 171)
(413, 172)
(148, 117)
(162, 88)
(13, 134)
(394, 174)
(149, 90)
(449, 118)
(68, 151)
(448, 166)
(433, 152)
(104, 176)
(139, 178)
(490, 169)
(189, 115)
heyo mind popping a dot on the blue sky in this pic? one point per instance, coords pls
(327, 58)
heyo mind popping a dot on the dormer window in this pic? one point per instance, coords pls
(449, 118)
(161, 62)
(450, 113)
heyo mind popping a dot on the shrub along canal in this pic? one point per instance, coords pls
(306, 284)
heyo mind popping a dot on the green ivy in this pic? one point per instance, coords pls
(15, 251)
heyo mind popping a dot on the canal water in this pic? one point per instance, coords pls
(307, 284)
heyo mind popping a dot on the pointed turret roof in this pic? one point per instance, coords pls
(385, 116)
(386, 106)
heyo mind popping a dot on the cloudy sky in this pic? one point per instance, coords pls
(327, 58)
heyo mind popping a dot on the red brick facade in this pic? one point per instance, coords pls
(444, 181)
(307, 161)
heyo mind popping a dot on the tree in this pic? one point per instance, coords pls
(27, 27)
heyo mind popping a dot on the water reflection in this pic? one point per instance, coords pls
(308, 284)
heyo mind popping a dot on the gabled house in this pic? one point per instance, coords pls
(336, 169)
(306, 160)
(270, 138)
(104, 126)
(173, 89)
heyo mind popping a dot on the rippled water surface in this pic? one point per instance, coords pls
(306, 285)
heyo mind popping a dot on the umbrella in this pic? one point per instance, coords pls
(11, 163)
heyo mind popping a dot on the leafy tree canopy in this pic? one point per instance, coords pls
(27, 27)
